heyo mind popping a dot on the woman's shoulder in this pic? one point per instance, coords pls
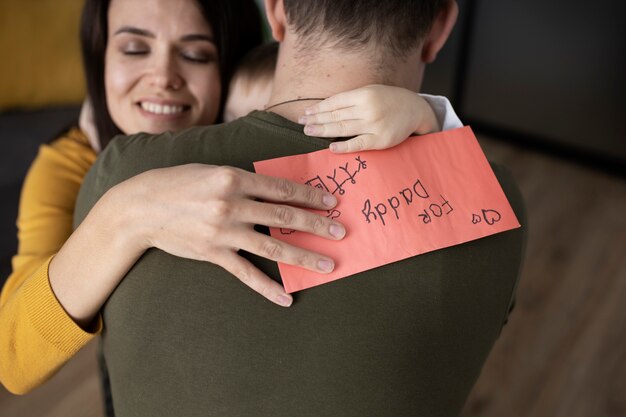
(63, 161)
(72, 141)
(70, 151)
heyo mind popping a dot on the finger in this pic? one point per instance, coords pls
(347, 113)
(287, 217)
(357, 144)
(338, 101)
(280, 190)
(342, 128)
(279, 251)
(250, 275)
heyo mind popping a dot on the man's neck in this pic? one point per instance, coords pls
(318, 75)
(294, 87)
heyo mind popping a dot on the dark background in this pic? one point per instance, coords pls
(21, 133)
(551, 75)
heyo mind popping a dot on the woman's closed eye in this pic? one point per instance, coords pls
(135, 48)
(196, 56)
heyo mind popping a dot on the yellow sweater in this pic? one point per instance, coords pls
(36, 335)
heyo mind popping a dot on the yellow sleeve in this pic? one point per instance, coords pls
(36, 335)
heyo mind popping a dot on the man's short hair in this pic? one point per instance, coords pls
(396, 25)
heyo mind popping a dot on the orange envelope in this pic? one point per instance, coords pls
(428, 193)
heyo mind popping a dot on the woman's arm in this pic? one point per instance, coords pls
(36, 335)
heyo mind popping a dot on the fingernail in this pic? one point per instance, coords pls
(325, 265)
(338, 147)
(284, 300)
(309, 111)
(302, 120)
(337, 231)
(329, 200)
(310, 130)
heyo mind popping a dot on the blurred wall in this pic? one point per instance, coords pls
(551, 70)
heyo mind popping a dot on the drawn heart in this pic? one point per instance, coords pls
(491, 216)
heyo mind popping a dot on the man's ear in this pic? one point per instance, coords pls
(440, 30)
(275, 11)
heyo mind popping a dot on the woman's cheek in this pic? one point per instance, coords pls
(117, 77)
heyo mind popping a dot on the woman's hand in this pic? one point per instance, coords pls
(379, 116)
(208, 213)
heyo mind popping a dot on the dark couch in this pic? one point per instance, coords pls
(21, 133)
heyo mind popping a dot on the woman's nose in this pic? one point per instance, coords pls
(165, 74)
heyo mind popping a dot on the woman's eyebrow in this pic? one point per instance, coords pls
(135, 31)
(197, 37)
(186, 38)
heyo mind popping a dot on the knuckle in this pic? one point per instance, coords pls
(317, 225)
(286, 189)
(356, 144)
(266, 291)
(244, 274)
(283, 215)
(271, 250)
(228, 179)
(335, 116)
(343, 128)
(311, 195)
(303, 260)
(321, 129)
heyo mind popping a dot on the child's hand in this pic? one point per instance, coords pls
(87, 124)
(379, 116)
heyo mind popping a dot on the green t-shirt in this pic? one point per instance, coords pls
(185, 338)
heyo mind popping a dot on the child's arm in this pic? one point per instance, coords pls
(379, 116)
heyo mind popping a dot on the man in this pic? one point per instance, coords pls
(184, 338)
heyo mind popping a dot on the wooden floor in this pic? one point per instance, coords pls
(563, 353)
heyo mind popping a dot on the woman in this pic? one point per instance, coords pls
(151, 66)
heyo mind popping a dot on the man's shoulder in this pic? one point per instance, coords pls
(151, 146)
(127, 156)
(512, 192)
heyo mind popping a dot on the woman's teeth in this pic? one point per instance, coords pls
(161, 108)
